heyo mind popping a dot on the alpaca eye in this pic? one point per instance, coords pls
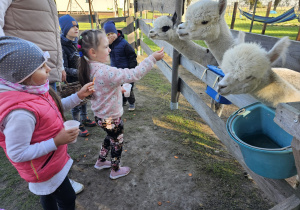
(248, 78)
(165, 28)
(204, 22)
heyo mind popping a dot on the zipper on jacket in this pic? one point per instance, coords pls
(48, 159)
(35, 172)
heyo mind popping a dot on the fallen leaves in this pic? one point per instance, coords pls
(190, 174)
(175, 157)
(159, 203)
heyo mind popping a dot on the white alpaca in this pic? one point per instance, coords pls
(164, 29)
(205, 21)
(247, 69)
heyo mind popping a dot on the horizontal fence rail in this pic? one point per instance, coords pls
(277, 190)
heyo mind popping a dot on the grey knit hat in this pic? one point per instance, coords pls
(19, 59)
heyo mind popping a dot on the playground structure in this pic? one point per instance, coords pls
(287, 115)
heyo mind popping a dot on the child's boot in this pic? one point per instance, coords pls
(82, 131)
(89, 123)
(101, 165)
(123, 171)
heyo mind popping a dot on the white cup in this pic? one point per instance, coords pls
(127, 88)
(71, 124)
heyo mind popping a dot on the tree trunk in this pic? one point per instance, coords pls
(251, 4)
(188, 2)
(299, 6)
(276, 4)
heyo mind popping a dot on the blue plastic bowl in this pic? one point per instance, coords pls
(265, 146)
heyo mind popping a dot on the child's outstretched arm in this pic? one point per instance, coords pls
(86, 90)
(158, 55)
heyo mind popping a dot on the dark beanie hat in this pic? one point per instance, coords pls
(19, 58)
(66, 22)
(110, 27)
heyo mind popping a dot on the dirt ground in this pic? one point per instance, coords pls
(169, 168)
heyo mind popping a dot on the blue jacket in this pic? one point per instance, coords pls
(122, 55)
(70, 56)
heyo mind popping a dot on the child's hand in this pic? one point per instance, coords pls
(123, 90)
(158, 55)
(86, 90)
(66, 136)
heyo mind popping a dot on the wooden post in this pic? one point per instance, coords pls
(137, 32)
(267, 15)
(175, 62)
(288, 118)
(298, 36)
(234, 15)
(255, 4)
(130, 35)
(92, 22)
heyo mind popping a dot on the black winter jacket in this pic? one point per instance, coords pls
(122, 55)
(70, 56)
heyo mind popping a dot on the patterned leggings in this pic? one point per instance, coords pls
(113, 141)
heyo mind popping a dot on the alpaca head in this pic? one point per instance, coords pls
(163, 28)
(247, 65)
(203, 20)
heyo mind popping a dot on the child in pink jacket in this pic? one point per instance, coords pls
(107, 102)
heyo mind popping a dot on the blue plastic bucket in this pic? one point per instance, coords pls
(265, 146)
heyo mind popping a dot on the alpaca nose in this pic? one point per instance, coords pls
(220, 87)
(180, 26)
(152, 33)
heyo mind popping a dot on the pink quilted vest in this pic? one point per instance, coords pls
(48, 124)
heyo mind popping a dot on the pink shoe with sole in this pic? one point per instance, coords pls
(123, 171)
(101, 165)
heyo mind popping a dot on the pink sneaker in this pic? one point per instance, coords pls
(123, 171)
(101, 165)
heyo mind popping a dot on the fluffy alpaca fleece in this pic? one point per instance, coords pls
(164, 29)
(247, 69)
(205, 21)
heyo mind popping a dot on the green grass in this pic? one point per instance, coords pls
(14, 187)
(191, 134)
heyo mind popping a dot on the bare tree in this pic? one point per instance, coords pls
(188, 2)
(252, 2)
(276, 4)
(116, 8)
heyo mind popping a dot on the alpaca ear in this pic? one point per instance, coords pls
(279, 49)
(222, 6)
(241, 38)
(174, 18)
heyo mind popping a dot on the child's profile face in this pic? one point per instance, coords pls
(39, 77)
(111, 37)
(103, 50)
(73, 33)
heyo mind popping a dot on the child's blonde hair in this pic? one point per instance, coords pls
(87, 40)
